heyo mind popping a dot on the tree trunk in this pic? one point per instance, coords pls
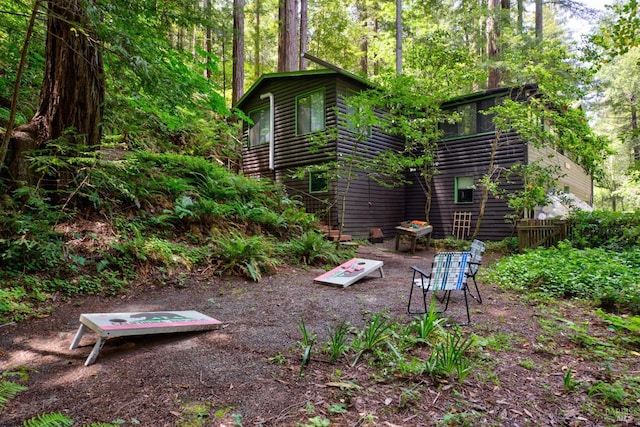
(72, 94)
(208, 42)
(493, 33)
(304, 33)
(361, 8)
(539, 21)
(399, 36)
(257, 66)
(288, 36)
(635, 144)
(238, 51)
(485, 189)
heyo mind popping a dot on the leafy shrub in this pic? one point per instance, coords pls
(608, 278)
(310, 248)
(247, 256)
(617, 231)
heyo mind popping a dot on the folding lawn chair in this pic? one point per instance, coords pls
(449, 272)
(477, 251)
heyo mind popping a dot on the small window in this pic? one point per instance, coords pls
(310, 112)
(464, 189)
(261, 128)
(318, 182)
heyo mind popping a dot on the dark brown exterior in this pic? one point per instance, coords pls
(368, 204)
(467, 157)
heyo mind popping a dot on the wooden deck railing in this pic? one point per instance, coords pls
(538, 232)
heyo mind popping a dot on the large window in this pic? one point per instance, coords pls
(355, 115)
(310, 112)
(463, 189)
(261, 128)
(471, 118)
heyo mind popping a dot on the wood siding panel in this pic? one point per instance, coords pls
(470, 157)
(575, 178)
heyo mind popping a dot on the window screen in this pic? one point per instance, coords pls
(310, 112)
(259, 131)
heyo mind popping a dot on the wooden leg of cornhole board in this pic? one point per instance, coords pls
(96, 349)
(78, 337)
(381, 272)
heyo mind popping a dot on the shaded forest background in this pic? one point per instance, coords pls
(165, 73)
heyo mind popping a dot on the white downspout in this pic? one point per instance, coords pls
(272, 144)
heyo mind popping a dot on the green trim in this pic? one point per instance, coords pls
(456, 188)
(301, 73)
(324, 110)
(316, 174)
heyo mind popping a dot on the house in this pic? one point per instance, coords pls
(463, 157)
(287, 109)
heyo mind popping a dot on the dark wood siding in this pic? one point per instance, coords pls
(369, 204)
(291, 150)
(470, 157)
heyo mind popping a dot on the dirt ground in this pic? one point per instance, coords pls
(231, 376)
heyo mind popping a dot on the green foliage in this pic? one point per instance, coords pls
(569, 382)
(337, 345)
(425, 326)
(55, 419)
(312, 247)
(449, 357)
(616, 231)
(377, 331)
(608, 278)
(307, 342)
(8, 390)
(247, 256)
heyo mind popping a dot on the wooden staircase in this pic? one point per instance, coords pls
(332, 233)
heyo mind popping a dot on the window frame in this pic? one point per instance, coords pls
(349, 110)
(457, 189)
(314, 176)
(265, 113)
(311, 128)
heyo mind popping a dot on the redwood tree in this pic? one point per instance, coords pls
(72, 93)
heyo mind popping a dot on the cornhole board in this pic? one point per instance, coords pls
(350, 272)
(108, 325)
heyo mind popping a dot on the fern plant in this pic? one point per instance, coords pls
(8, 391)
(54, 419)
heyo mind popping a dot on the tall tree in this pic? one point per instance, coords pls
(288, 43)
(304, 32)
(399, 36)
(72, 93)
(238, 51)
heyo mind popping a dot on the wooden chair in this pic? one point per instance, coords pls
(449, 272)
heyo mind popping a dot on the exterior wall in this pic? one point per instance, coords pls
(575, 178)
(468, 156)
(369, 205)
(291, 150)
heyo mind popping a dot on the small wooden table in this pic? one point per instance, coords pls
(108, 325)
(413, 234)
(350, 272)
